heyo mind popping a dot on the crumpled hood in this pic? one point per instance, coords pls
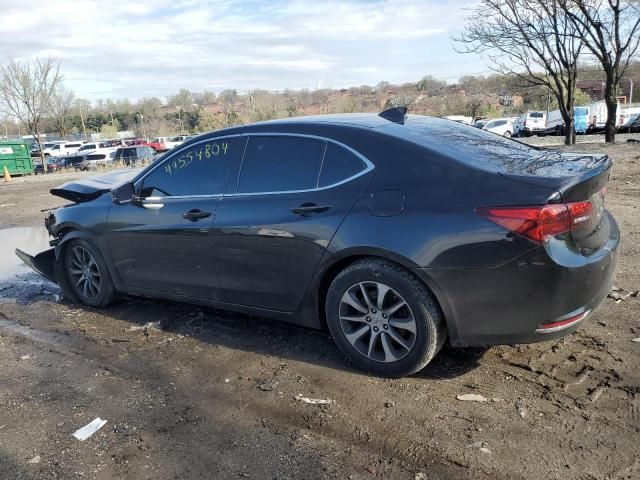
(91, 188)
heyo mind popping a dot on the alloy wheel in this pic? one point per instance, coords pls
(377, 321)
(84, 272)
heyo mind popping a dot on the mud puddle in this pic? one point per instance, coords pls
(18, 281)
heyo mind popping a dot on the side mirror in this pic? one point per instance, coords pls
(123, 194)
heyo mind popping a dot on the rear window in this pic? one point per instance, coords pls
(472, 146)
(339, 164)
(280, 164)
(96, 157)
(536, 115)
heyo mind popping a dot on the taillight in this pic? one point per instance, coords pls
(538, 222)
(524, 124)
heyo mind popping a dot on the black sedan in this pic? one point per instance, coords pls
(396, 232)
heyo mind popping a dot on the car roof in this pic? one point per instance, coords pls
(367, 120)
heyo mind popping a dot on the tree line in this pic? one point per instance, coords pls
(543, 41)
(536, 47)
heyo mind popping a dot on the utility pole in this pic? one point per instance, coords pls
(84, 128)
(630, 92)
(548, 100)
(144, 133)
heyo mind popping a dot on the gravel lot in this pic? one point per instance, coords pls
(189, 392)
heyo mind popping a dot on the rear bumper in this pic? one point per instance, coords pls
(511, 303)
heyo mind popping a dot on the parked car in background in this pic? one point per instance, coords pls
(460, 119)
(131, 156)
(53, 165)
(626, 116)
(395, 231)
(633, 125)
(115, 143)
(46, 148)
(500, 126)
(162, 144)
(90, 147)
(74, 161)
(480, 123)
(96, 159)
(64, 149)
(530, 123)
(180, 139)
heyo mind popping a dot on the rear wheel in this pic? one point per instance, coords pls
(384, 319)
(87, 278)
(507, 134)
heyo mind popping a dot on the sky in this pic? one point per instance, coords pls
(142, 48)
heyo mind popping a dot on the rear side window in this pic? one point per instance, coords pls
(339, 164)
(196, 170)
(280, 164)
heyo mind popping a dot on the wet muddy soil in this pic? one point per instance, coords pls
(189, 392)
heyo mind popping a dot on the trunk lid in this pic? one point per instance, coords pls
(577, 179)
(89, 189)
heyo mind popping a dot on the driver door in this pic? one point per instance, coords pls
(160, 242)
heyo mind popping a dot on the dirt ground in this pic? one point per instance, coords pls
(208, 394)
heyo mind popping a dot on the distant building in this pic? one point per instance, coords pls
(595, 88)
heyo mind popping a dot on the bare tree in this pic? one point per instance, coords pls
(62, 105)
(612, 35)
(534, 40)
(25, 91)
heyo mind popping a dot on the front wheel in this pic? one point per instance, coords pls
(87, 278)
(384, 319)
(507, 134)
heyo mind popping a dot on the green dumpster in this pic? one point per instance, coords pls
(15, 155)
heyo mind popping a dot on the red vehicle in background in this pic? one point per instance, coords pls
(155, 144)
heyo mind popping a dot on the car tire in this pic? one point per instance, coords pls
(507, 134)
(396, 343)
(86, 278)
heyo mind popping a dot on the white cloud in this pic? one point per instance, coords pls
(154, 47)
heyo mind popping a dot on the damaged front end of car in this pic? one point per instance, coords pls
(70, 221)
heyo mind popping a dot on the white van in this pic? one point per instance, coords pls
(64, 149)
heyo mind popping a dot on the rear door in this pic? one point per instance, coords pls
(161, 243)
(274, 225)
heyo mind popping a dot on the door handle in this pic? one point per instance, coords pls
(309, 207)
(195, 215)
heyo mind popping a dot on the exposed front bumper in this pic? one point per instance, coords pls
(42, 263)
(509, 304)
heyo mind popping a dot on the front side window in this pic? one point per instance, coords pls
(196, 170)
(280, 164)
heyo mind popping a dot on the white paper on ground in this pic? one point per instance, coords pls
(89, 429)
(313, 401)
